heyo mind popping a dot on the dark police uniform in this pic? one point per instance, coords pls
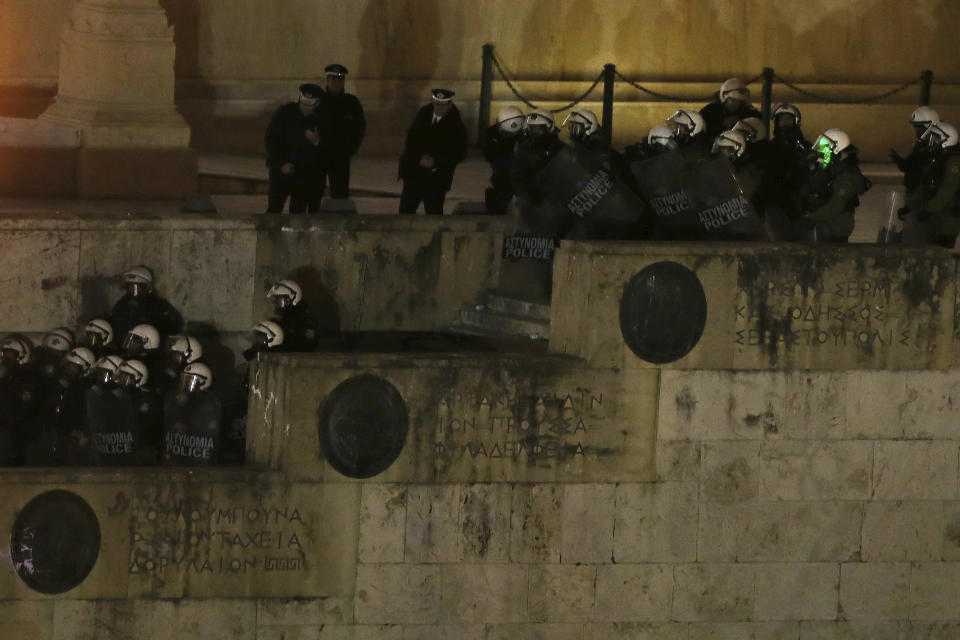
(446, 142)
(286, 142)
(341, 126)
(301, 331)
(149, 308)
(498, 150)
(718, 119)
(831, 196)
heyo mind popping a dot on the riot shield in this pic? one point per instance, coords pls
(191, 429)
(696, 201)
(112, 426)
(588, 198)
(148, 414)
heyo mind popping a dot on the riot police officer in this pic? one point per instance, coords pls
(341, 126)
(181, 351)
(499, 145)
(61, 415)
(933, 206)
(537, 146)
(689, 130)
(832, 191)
(142, 343)
(292, 142)
(300, 327)
(56, 343)
(436, 143)
(142, 305)
(146, 410)
(733, 145)
(267, 336)
(191, 420)
(729, 105)
(660, 139)
(21, 390)
(584, 129)
(97, 336)
(915, 165)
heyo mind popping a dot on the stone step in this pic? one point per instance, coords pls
(491, 323)
(510, 305)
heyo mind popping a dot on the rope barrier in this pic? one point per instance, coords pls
(868, 99)
(496, 63)
(665, 96)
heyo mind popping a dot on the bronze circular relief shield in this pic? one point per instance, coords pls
(55, 542)
(363, 426)
(663, 312)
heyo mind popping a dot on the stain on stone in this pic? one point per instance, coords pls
(767, 419)
(119, 504)
(953, 530)
(686, 403)
(52, 283)
(477, 523)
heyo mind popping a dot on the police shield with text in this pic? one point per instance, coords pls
(62, 411)
(191, 420)
(111, 420)
(104, 411)
(147, 424)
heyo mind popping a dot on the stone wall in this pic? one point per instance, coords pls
(236, 61)
(217, 269)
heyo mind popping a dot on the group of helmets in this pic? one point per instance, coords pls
(581, 123)
(928, 128)
(268, 334)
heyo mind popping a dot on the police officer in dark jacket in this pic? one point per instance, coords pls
(917, 162)
(499, 144)
(832, 191)
(292, 142)
(142, 305)
(436, 143)
(301, 330)
(342, 127)
(729, 105)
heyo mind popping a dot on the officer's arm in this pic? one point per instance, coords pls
(276, 153)
(844, 188)
(948, 187)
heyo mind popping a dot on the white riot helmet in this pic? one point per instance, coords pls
(143, 337)
(59, 339)
(132, 373)
(99, 332)
(734, 88)
(184, 349)
(138, 280)
(787, 110)
(730, 143)
(752, 129)
(510, 120)
(285, 293)
(582, 123)
(78, 361)
(830, 143)
(268, 333)
(82, 357)
(687, 124)
(921, 118)
(104, 369)
(539, 119)
(940, 134)
(661, 134)
(15, 349)
(196, 376)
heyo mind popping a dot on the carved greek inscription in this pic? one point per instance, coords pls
(868, 314)
(218, 540)
(517, 426)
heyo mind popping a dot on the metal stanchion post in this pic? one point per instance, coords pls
(767, 97)
(486, 93)
(927, 76)
(609, 74)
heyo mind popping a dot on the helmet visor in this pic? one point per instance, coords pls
(191, 382)
(824, 147)
(127, 379)
(132, 344)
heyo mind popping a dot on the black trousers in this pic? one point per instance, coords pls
(414, 193)
(301, 187)
(338, 171)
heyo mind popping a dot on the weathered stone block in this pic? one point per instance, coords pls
(714, 592)
(815, 405)
(636, 630)
(932, 405)
(534, 632)
(383, 517)
(730, 471)
(894, 531)
(780, 532)
(278, 612)
(874, 590)
(720, 405)
(744, 630)
(855, 630)
(397, 593)
(480, 419)
(916, 470)
(432, 531)
(536, 523)
(929, 630)
(935, 591)
(485, 522)
(587, 523)
(27, 620)
(561, 593)
(826, 470)
(874, 403)
(633, 593)
(678, 461)
(656, 522)
(787, 591)
(951, 531)
(40, 280)
(483, 593)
